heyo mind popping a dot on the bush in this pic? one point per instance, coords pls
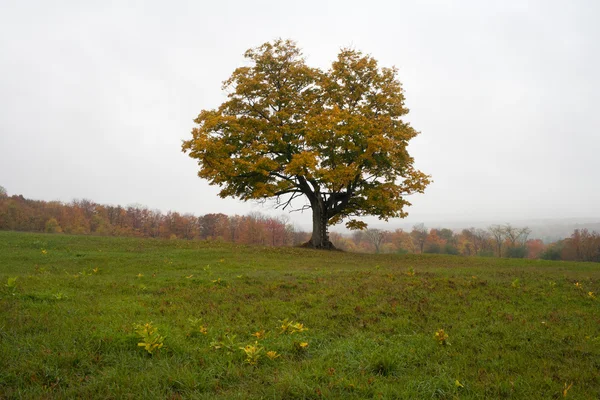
(553, 252)
(516, 252)
(433, 248)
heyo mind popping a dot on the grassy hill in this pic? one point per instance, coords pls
(355, 326)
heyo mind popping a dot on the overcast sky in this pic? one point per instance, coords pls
(96, 97)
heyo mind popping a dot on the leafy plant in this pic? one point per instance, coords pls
(226, 342)
(252, 352)
(151, 340)
(260, 334)
(59, 296)
(300, 347)
(11, 284)
(219, 282)
(441, 337)
(291, 327)
(196, 326)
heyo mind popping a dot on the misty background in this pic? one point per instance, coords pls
(96, 98)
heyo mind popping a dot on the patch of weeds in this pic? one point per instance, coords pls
(225, 342)
(299, 347)
(196, 327)
(59, 296)
(383, 365)
(11, 284)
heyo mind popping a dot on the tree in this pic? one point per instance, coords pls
(516, 239)
(433, 243)
(499, 234)
(419, 235)
(583, 245)
(289, 131)
(402, 241)
(535, 247)
(376, 237)
(3, 192)
(516, 236)
(478, 237)
(213, 225)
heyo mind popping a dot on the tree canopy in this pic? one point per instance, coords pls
(334, 137)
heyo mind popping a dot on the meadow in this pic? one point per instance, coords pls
(117, 318)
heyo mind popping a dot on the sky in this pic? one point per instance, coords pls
(97, 96)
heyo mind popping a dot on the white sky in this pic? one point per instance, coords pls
(96, 96)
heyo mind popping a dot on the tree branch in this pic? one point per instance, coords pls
(287, 178)
(288, 203)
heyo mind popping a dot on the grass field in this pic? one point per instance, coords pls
(515, 328)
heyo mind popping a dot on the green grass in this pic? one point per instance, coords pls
(517, 328)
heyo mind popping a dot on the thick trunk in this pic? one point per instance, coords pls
(320, 235)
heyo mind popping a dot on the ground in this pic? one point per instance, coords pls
(337, 325)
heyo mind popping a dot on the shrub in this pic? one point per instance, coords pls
(433, 248)
(516, 252)
(553, 252)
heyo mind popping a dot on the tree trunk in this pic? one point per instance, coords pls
(320, 235)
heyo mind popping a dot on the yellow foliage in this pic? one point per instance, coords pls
(441, 337)
(151, 341)
(252, 352)
(336, 136)
(291, 327)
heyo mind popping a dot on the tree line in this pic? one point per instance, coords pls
(83, 217)
(495, 241)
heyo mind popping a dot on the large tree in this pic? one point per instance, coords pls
(334, 137)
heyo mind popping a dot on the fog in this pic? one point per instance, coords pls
(96, 97)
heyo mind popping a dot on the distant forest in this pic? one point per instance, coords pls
(84, 217)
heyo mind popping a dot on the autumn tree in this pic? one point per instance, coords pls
(583, 245)
(335, 138)
(535, 248)
(402, 241)
(477, 237)
(434, 243)
(52, 226)
(213, 225)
